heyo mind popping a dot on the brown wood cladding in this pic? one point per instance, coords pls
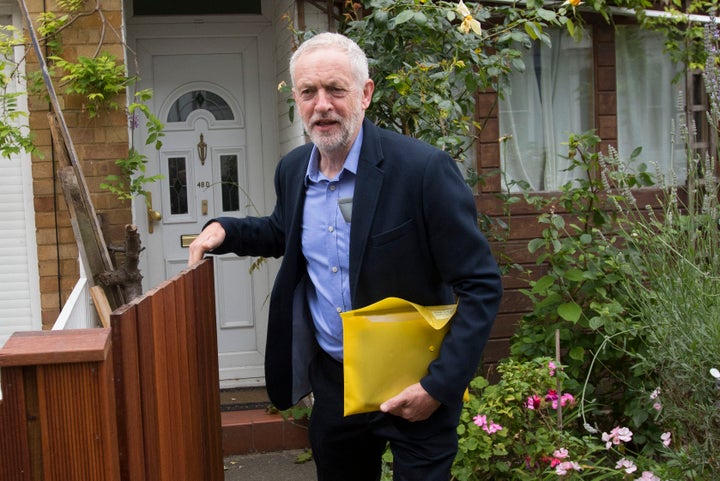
(15, 465)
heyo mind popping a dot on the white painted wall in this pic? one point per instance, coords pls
(290, 135)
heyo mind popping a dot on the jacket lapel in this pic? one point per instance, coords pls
(295, 202)
(367, 191)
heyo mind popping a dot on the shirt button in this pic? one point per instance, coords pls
(334, 269)
(331, 229)
(338, 309)
(333, 187)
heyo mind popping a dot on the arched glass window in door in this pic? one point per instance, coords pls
(196, 100)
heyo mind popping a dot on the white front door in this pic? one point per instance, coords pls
(207, 91)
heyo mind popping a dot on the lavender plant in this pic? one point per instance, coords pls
(677, 303)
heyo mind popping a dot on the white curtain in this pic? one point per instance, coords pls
(547, 102)
(647, 101)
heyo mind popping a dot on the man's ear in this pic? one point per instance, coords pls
(368, 90)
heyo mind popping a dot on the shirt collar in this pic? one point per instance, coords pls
(351, 161)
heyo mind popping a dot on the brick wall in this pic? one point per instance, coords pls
(98, 143)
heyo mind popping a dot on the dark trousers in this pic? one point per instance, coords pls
(350, 448)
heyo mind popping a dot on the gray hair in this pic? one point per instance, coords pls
(356, 56)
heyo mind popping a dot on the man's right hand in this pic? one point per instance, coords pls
(211, 237)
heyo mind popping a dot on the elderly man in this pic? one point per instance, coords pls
(362, 214)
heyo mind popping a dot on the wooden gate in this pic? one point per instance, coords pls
(136, 402)
(166, 378)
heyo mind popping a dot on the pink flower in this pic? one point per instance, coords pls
(563, 468)
(481, 421)
(552, 397)
(561, 453)
(655, 394)
(492, 428)
(648, 476)
(617, 435)
(666, 439)
(552, 367)
(533, 402)
(657, 406)
(567, 398)
(627, 465)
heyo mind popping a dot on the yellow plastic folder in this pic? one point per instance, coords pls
(387, 347)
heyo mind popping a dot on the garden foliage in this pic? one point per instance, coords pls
(632, 288)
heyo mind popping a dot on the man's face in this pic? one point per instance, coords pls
(330, 100)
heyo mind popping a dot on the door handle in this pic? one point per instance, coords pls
(152, 215)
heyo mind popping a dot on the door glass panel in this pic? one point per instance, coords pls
(199, 99)
(177, 177)
(229, 180)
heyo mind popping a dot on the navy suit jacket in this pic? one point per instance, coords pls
(413, 235)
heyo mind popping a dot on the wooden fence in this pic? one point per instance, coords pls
(136, 402)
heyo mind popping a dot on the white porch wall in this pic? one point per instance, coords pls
(290, 135)
(19, 276)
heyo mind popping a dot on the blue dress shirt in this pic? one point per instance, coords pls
(326, 247)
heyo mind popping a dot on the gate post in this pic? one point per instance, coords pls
(58, 407)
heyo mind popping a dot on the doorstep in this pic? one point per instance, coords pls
(257, 431)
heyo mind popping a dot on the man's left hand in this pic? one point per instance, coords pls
(413, 404)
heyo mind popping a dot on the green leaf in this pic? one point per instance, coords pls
(577, 353)
(533, 30)
(570, 27)
(547, 15)
(569, 311)
(575, 275)
(596, 323)
(404, 16)
(535, 244)
(542, 284)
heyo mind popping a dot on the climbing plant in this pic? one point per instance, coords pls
(101, 81)
(14, 137)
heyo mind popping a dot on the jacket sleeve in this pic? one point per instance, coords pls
(462, 256)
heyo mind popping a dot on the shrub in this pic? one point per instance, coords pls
(526, 428)
(580, 295)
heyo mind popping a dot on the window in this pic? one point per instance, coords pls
(177, 182)
(547, 102)
(199, 99)
(230, 183)
(647, 101)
